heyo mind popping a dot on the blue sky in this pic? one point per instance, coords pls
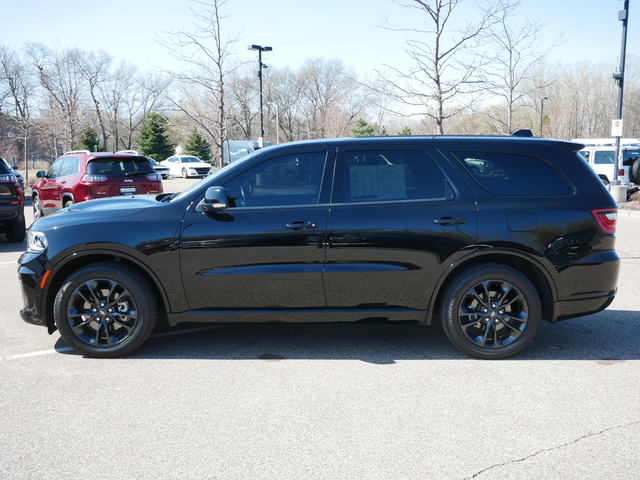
(296, 29)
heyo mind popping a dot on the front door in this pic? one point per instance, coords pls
(266, 251)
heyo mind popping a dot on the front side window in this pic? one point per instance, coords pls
(286, 180)
(390, 175)
(514, 174)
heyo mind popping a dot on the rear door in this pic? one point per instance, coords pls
(399, 217)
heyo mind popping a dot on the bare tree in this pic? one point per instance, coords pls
(447, 65)
(205, 50)
(511, 72)
(94, 68)
(19, 89)
(58, 72)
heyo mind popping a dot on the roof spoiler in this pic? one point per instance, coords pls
(522, 133)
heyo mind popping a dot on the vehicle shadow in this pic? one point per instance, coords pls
(607, 337)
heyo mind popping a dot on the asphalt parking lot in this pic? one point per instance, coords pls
(325, 401)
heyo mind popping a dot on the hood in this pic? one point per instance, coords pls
(91, 210)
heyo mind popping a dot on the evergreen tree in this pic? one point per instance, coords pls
(362, 129)
(154, 141)
(89, 140)
(198, 146)
(405, 131)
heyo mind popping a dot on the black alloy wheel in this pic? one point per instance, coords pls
(105, 310)
(491, 311)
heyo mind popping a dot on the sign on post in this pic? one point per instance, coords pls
(616, 127)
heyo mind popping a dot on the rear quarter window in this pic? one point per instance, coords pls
(514, 174)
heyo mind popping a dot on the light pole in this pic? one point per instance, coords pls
(261, 65)
(542, 112)
(623, 15)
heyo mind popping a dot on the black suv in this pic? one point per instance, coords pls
(11, 205)
(487, 235)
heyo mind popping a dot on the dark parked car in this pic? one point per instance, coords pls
(487, 235)
(11, 205)
(80, 175)
(14, 169)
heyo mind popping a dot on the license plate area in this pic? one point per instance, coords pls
(127, 190)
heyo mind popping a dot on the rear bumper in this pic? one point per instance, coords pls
(586, 306)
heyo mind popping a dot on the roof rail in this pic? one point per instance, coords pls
(128, 152)
(85, 152)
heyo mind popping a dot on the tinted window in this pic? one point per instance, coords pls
(119, 166)
(54, 170)
(286, 180)
(514, 174)
(371, 176)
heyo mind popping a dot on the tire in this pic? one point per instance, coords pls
(68, 203)
(105, 310)
(634, 172)
(17, 231)
(37, 208)
(491, 311)
(184, 173)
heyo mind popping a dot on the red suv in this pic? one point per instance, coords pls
(80, 175)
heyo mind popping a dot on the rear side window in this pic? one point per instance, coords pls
(514, 174)
(119, 166)
(390, 175)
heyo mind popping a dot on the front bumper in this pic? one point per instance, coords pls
(31, 269)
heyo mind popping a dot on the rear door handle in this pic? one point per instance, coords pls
(450, 221)
(302, 225)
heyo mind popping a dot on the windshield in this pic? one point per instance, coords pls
(190, 160)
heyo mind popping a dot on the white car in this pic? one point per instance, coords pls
(186, 166)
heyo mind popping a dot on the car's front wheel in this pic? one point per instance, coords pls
(185, 174)
(105, 310)
(491, 311)
(37, 208)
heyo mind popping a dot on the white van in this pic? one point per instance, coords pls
(602, 160)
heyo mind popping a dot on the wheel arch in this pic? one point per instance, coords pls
(72, 263)
(535, 272)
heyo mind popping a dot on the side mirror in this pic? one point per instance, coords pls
(215, 200)
(41, 174)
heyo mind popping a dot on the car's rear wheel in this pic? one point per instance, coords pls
(16, 231)
(68, 202)
(37, 208)
(105, 310)
(184, 173)
(491, 311)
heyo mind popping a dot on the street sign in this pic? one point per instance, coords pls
(616, 127)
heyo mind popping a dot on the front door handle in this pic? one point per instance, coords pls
(302, 225)
(450, 221)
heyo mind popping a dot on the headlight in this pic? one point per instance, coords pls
(36, 241)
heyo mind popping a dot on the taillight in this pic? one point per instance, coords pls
(607, 219)
(94, 178)
(154, 176)
(621, 172)
(8, 178)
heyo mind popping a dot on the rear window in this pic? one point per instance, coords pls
(514, 174)
(3, 168)
(119, 166)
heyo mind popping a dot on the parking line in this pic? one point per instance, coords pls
(69, 349)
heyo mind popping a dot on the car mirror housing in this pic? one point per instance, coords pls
(215, 200)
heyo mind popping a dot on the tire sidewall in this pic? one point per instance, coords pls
(142, 294)
(455, 295)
